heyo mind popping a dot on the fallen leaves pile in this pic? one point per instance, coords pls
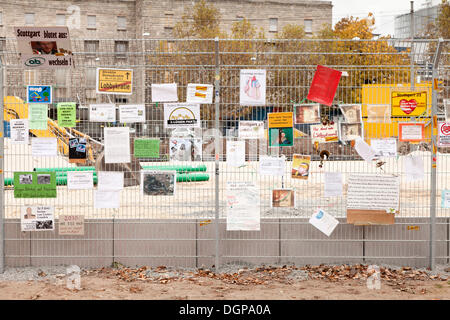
(400, 278)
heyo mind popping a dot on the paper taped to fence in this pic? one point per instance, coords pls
(44, 147)
(445, 199)
(106, 199)
(110, 180)
(44, 47)
(243, 206)
(39, 94)
(410, 131)
(67, 114)
(117, 145)
(372, 198)
(80, 180)
(236, 153)
(384, 147)
(146, 148)
(181, 115)
(19, 131)
(251, 129)
(34, 184)
(158, 182)
(364, 150)
(77, 150)
(102, 112)
(164, 92)
(332, 184)
(413, 168)
(444, 134)
(252, 87)
(274, 166)
(37, 116)
(37, 218)
(132, 113)
(70, 224)
(114, 81)
(199, 93)
(324, 133)
(323, 221)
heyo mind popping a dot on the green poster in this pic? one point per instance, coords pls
(34, 184)
(146, 148)
(67, 113)
(37, 116)
(281, 137)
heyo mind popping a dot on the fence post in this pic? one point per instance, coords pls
(216, 150)
(2, 196)
(432, 263)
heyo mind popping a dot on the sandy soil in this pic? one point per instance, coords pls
(100, 287)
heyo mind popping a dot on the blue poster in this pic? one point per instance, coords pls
(39, 94)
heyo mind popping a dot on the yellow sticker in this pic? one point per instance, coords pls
(205, 222)
(413, 227)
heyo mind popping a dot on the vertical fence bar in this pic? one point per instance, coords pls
(2, 155)
(216, 148)
(434, 144)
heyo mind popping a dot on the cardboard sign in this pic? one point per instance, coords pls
(444, 134)
(408, 103)
(280, 119)
(34, 184)
(114, 81)
(44, 47)
(39, 94)
(372, 199)
(411, 131)
(324, 85)
(71, 225)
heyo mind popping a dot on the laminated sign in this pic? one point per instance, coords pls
(44, 47)
(324, 85)
(181, 115)
(115, 81)
(408, 103)
(444, 134)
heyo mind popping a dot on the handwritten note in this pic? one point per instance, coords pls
(333, 184)
(275, 166)
(243, 206)
(71, 225)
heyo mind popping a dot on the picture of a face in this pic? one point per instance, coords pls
(29, 214)
(283, 198)
(44, 47)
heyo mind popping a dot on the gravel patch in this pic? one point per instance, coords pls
(32, 273)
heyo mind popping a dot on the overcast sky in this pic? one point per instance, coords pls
(384, 11)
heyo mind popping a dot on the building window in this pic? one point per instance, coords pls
(29, 19)
(29, 77)
(60, 75)
(308, 26)
(120, 100)
(169, 20)
(91, 22)
(1, 18)
(121, 23)
(273, 25)
(91, 74)
(91, 47)
(121, 48)
(2, 44)
(60, 19)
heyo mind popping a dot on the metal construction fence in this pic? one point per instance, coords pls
(188, 229)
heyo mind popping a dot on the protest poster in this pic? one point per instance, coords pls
(114, 81)
(447, 110)
(146, 148)
(307, 113)
(445, 199)
(332, 184)
(324, 85)
(280, 119)
(384, 147)
(102, 113)
(408, 103)
(117, 144)
(444, 134)
(300, 166)
(37, 116)
(235, 153)
(252, 87)
(199, 93)
(281, 137)
(324, 133)
(378, 113)
(181, 115)
(80, 180)
(44, 147)
(243, 206)
(19, 131)
(158, 182)
(39, 94)
(351, 112)
(67, 113)
(323, 221)
(34, 184)
(282, 198)
(185, 149)
(77, 150)
(251, 129)
(350, 131)
(37, 218)
(71, 224)
(132, 113)
(411, 131)
(372, 198)
(44, 47)
(274, 166)
(164, 92)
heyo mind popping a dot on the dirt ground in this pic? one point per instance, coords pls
(107, 286)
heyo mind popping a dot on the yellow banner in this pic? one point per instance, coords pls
(408, 103)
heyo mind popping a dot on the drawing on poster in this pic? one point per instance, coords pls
(243, 206)
(39, 94)
(252, 87)
(282, 198)
(300, 166)
(158, 183)
(307, 113)
(181, 115)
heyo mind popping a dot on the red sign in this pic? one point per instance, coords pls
(408, 106)
(444, 134)
(324, 85)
